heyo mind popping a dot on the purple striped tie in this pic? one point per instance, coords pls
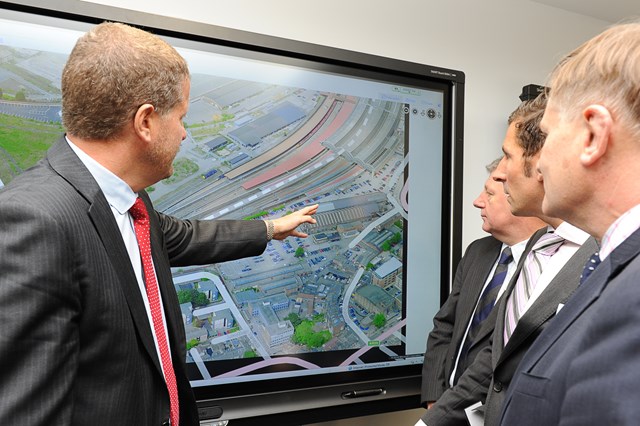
(533, 266)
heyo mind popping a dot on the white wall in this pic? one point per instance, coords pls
(501, 45)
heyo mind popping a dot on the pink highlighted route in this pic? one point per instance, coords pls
(266, 363)
(381, 337)
(305, 364)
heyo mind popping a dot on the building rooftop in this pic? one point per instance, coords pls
(388, 267)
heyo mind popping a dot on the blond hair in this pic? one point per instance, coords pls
(604, 70)
(113, 70)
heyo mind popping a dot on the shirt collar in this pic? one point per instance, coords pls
(571, 233)
(118, 194)
(619, 230)
(516, 250)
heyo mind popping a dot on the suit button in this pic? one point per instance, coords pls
(166, 423)
(497, 386)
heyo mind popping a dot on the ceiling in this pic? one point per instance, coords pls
(610, 10)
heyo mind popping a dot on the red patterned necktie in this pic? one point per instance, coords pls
(141, 224)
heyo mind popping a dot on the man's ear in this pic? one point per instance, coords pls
(142, 121)
(599, 123)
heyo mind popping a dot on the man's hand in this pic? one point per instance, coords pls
(285, 226)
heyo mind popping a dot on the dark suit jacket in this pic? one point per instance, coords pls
(488, 378)
(451, 321)
(75, 342)
(585, 368)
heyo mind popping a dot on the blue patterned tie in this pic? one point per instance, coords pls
(591, 266)
(485, 305)
(488, 297)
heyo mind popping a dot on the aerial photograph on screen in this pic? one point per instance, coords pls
(258, 150)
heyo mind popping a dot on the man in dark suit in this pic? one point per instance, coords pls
(488, 377)
(585, 367)
(446, 356)
(91, 327)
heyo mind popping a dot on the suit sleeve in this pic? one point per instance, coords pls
(471, 388)
(199, 242)
(39, 311)
(434, 376)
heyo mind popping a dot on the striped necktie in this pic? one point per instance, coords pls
(534, 264)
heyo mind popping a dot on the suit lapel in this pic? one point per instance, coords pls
(585, 296)
(488, 324)
(64, 161)
(173, 315)
(624, 253)
(480, 269)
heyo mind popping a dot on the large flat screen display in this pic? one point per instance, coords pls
(328, 326)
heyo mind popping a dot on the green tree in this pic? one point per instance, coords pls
(294, 318)
(379, 320)
(20, 95)
(192, 343)
(184, 296)
(194, 296)
(305, 335)
(201, 299)
(386, 246)
(316, 340)
(299, 252)
(303, 332)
